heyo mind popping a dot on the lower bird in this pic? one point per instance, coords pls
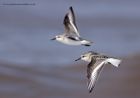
(96, 63)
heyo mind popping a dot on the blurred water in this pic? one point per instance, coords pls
(61, 82)
(26, 30)
(26, 51)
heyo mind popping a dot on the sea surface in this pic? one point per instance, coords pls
(33, 66)
(26, 30)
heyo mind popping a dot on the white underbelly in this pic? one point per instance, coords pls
(70, 42)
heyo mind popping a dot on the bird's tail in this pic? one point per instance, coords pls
(113, 61)
(86, 43)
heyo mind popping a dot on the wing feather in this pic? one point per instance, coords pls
(70, 23)
(93, 71)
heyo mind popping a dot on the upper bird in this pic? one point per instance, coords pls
(96, 63)
(71, 35)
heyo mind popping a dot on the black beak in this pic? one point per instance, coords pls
(78, 59)
(53, 38)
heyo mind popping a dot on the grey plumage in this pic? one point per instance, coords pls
(71, 35)
(70, 23)
(96, 64)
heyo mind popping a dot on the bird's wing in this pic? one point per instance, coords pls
(93, 71)
(70, 23)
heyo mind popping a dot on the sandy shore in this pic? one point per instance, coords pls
(70, 82)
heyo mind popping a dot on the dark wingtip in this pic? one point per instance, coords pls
(70, 8)
(90, 90)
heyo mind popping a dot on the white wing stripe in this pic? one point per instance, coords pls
(75, 29)
(95, 75)
(92, 80)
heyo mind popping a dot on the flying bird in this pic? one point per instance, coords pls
(96, 64)
(71, 34)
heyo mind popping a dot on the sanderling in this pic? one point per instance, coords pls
(71, 35)
(96, 63)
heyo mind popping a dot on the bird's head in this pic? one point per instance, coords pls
(86, 57)
(58, 37)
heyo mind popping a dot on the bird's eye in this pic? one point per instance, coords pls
(83, 56)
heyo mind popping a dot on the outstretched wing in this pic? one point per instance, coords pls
(93, 71)
(70, 24)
